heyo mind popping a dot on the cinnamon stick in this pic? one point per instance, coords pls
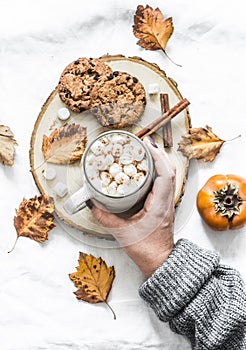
(163, 119)
(166, 129)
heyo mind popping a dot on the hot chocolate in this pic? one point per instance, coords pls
(117, 171)
(116, 164)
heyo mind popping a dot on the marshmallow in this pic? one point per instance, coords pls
(126, 158)
(122, 178)
(128, 148)
(143, 165)
(63, 113)
(107, 149)
(91, 170)
(153, 88)
(139, 154)
(49, 174)
(105, 190)
(109, 160)
(104, 141)
(90, 159)
(60, 189)
(139, 178)
(125, 189)
(117, 150)
(116, 138)
(106, 178)
(114, 169)
(112, 188)
(135, 149)
(97, 147)
(130, 170)
(121, 190)
(100, 162)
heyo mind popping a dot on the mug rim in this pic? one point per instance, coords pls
(150, 160)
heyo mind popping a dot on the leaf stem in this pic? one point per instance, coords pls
(110, 309)
(14, 245)
(234, 138)
(176, 64)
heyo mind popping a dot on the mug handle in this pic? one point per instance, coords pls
(77, 201)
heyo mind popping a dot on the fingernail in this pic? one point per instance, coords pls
(89, 204)
(152, 142)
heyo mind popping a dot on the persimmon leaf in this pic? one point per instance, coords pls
(93, 279)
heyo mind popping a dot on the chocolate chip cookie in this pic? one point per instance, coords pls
(77, 81)
(118, 101)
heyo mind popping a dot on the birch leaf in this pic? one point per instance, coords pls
(93, 279)
(200, 143)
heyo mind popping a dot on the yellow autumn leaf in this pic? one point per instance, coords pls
(7, 145)
(34, 218)
(200, 143)
(152, 29)
(64, 145)
(93, 279)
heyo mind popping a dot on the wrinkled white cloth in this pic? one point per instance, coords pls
(37, 40)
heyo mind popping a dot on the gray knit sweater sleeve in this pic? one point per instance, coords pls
(200, 298)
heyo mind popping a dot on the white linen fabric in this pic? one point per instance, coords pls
(37, 40)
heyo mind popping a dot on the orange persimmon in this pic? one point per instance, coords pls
(221, 202)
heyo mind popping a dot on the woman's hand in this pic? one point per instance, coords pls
(147, 237)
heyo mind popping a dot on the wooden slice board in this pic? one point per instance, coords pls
(71, 175)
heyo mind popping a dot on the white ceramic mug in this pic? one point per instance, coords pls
(114, 203)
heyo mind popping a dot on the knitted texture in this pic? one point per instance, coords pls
(200, 298)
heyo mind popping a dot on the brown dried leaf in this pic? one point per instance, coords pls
(200, 143)
(65, 145)
(93, 279)
(150, 27)
(7, 145)
(34, 218)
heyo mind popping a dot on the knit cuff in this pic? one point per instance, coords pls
(173, 285)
